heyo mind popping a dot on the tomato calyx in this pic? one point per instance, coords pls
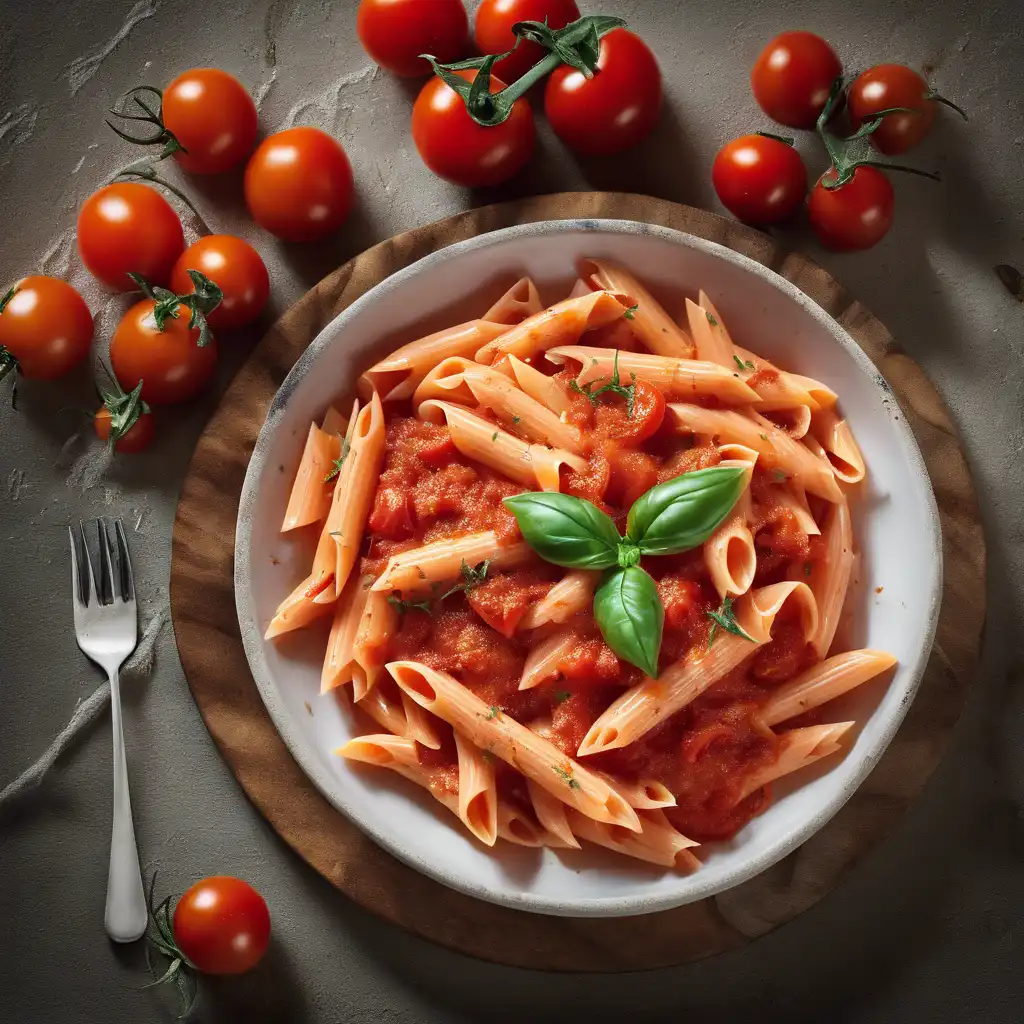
(852, 151)
(144, 170)
(204, 300)
(578, 45)
(124, 409)
(160, 936)
(162, 136)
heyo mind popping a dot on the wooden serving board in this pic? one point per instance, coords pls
(203, 609)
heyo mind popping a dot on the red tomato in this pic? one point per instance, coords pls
(648, 412)
(128, 227)
(298, 185)
(455, 147)
(46, 326)
(395, 32)
(209, 112)
(171, 366)
(793, 77)
(494, 21)
(222, 925)
(759, 179)
(236, 268)
(855, 215)
(137, 439)
(892, 85)
(615, 109)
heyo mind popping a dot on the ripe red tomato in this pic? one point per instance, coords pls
(648, 413)
(892, 85)
(222, 925)
(793, 77)
(615, 109)
(209, 112)
(171, 366)
(759, 179)
(455, 147)
(855, 215)
(298, 184)
(494, 21)
(46, 326)
(128, 227)
(395, 32)
(236, 268)
(137, 439)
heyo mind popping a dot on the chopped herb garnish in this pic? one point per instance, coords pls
(749, 365)
(494, 436)
(764, 437)
(626, 391)
(726, 618)
(562, 695)
(494, 712)
(470, 577)
(339, 462)
(566, 776)
(779, 475)
(631, 312)
(516, 420)
(395, 600)
(713, 322)
(739, 362)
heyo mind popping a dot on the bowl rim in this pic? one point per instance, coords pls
(310, 762)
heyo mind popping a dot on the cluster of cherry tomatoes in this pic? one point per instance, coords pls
(298, 185)
(596, 116)
(762, 179)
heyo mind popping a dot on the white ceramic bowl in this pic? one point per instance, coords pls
(896, 526)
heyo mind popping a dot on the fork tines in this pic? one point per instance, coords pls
(114, 580)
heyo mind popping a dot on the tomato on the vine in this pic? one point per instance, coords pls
(494, 21)
(135, 440)
(222, 925)
(236, 268)
(170, 363)
(894, 85)
(212, 116)
(615, 109)
(45, 326)
(129, 228)
(855, 215)
(395, 32)
(759, 179)
(455, 147)
(793, 76)
(298, 184)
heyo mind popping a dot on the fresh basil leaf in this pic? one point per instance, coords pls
(565, 530)
(684, 511)
(630, 616)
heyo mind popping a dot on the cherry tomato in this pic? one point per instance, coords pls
(494, 21)
(138, 438)
(236, 268)
(46, 326)
(759, 179)
(648, 412)
(209, 112)
(395, 32)
(892, 85)
(128, 227)
(298, 185)
(793, 77)
(455, 147)
(855, 215)
(222, 925)
(171, 366)
(615, 109)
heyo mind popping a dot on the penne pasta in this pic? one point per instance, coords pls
(419, 724)
(792, 497)
(533, 465)
(798, 749)
(824, 682)
(516, 305)
(553, 815)
(300, 607)
(777, 450)
(658, 842)
(651, 701)
(492, 730)
(340, 658)
(840, 446)
(730, 557)
(710, 339)
(539, 386)
(658, 332)
(573, 593)
(377, 625)
(560, 324)
(642, 794)
(310, 498)
(478, 794)
(446, 383)
(830, 577)
(681, 378)
(388, 713)
(795, 421)
(543, 660)
(515, 826)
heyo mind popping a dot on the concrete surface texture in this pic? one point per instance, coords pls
(929, 928)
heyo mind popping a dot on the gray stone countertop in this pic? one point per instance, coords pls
(928, 928)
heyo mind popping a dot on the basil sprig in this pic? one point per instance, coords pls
(670, 518)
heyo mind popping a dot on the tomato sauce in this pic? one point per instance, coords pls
(429, 491)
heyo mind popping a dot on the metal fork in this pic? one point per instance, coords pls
(106, 624)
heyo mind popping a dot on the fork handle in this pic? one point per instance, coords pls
(126, 914)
